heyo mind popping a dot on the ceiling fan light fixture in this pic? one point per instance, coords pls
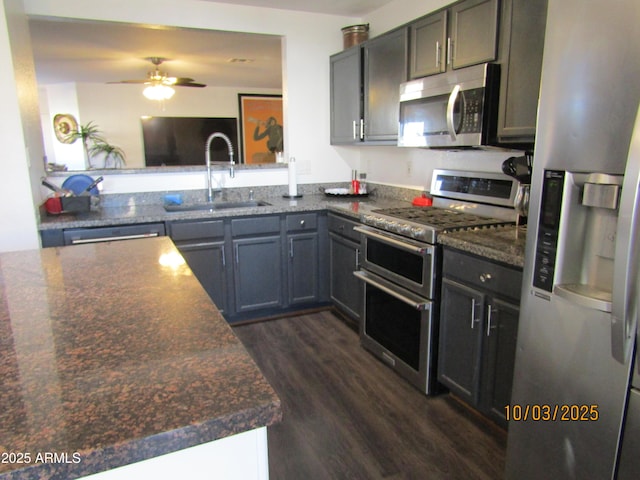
(158, 92)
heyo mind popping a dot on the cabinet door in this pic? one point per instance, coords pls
(346, 96)
(257, 273)
(303, 268)
(347, 292)
(460, 339)
(208, 263)
(501, 332)
(428, 45)
(385, 68)
(474, 33)
(521, 47)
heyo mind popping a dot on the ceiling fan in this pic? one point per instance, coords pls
(159, 81)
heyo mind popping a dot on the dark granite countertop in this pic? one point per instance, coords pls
(500, 244)
(155, 212)
(109, 356)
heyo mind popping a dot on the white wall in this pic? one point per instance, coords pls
(308, 41)
(21, 159)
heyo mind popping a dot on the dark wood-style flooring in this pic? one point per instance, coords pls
(348, 416)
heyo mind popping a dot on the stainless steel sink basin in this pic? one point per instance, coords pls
(215, 206)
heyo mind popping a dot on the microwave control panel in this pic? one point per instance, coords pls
(472, 102)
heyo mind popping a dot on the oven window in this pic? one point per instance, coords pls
(406, 264)
(394, 325)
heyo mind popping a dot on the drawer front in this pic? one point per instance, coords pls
(343, 227)
(118, 232)
(302, 222)
(255, 225)
(196, 230)
(485, 274)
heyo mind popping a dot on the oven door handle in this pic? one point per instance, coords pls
(418, 305)
(391, 241)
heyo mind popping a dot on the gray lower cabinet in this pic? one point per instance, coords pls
(345, 289)
(303, 258)
(202, 244)
(257, 263)
(479, 313)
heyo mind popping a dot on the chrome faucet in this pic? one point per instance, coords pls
(208, 160)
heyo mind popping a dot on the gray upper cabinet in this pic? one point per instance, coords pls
(346, 96)
(385, 68)
(365, 85)
(428, 45)
(464, 34)
(521, 48)
(474, 33)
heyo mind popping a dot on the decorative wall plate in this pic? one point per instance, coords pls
(64, 125)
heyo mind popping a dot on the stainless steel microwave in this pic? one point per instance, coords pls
(453, 109)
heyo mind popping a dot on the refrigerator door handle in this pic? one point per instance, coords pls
(625, 275)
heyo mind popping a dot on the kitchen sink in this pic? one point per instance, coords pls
(215, 206)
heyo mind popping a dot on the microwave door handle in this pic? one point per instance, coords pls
(450, 106)
(626, 284)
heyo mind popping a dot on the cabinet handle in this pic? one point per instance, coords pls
(237, 254)
(302, 223)
(357, 258)
(485, 277)
(362, 129)
(355, 130)
(489, 327)
(224, 261)
(449, 51)
(291, 247)
(438, 54)
(473, 312)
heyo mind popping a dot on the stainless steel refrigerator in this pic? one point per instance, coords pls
(574, 408)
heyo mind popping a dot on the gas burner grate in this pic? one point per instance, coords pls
(439, 218)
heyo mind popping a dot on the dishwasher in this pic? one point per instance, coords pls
(78, 236)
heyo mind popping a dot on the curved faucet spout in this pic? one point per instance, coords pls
(208, 160)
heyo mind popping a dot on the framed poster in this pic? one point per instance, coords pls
(261, 133)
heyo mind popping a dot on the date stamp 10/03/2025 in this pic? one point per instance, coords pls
(29, 458)
(552, 413)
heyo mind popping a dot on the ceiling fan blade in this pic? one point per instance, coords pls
(189, 84)
(131, 81)
(157, 77)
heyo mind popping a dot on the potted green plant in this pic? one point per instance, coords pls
(109, 152)
(89, 134)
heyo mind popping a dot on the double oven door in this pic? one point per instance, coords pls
(399, 309)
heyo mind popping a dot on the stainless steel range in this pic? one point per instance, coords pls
(401, 266)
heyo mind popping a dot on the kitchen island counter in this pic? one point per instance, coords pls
(111, 354)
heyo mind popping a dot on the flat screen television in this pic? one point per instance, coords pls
(179, 141)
